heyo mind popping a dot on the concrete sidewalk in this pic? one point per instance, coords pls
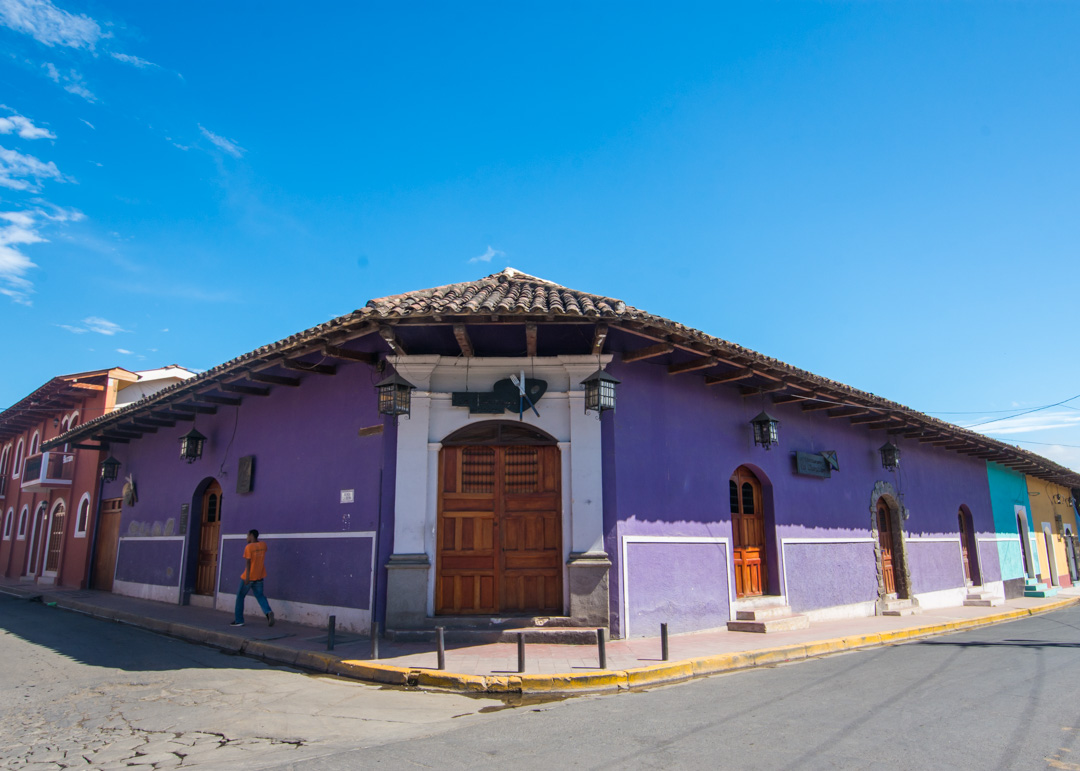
(550, 669)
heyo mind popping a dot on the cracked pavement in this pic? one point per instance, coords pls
(77, 692)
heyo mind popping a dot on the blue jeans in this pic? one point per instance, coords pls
(256, 588)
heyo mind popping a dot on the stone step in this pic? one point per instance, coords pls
(898, 607)
(774, 624)
(555, 635)
(1045, 591)
(764, 613)
(984, 602)
(490, 623)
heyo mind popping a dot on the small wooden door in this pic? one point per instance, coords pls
(209, 535)
(969, 548)
(499, 530)
(108, 539)
(748, 534)
(56, 538)
(885, 540)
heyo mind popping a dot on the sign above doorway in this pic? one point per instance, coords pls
(504, 396)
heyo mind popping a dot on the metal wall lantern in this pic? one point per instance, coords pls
(191, 445)
(600, 391)
(395, 395)
(110, 469)
(890, 456)
(765, 432)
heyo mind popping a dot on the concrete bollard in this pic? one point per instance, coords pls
(330, 629)
(440, 636)
(374, 640)
(521, 652)
(663, 643)
(601, 645)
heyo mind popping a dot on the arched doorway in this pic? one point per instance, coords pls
(209, 539)
(969, 547)
(885, 544)
(56, 537)
(37, 526)
(499, 535)
(748, 534)
(1025, 545)
(894, 575)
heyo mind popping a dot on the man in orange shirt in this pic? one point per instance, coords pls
(252, 578)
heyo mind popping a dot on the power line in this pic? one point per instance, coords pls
(1019, 414)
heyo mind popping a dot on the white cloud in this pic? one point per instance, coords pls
(488, 255)
(135, 61)
(72, 82)
(20, 229)
(25, 172)
(88, 123)
(1039, 421)
(222, 143)
(94, 324)
(50, 25)
(22, 126)
(124, 351)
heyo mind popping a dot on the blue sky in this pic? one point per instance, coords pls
(884, 194)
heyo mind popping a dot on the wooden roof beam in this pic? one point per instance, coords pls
(112, 434)
(171, 415)
(198, 409)
(847, 412)
(153, 422)
(262, 377)
(786, 398)
(599, 336)
(889, 422)
(461, 334)
(729, 377)
(765, 389)
(299, 366)
(858, 419)
(338, 352)
(391, 339)
(247, 390)
(692, 366)
(108, 439)
(647, 353)
(228, 401)
(811, 406)
(123, 427)
(530, 339)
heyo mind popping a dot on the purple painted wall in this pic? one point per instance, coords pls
(935, 565)
(673, 443)
(307, 450)
(696, 586)
(154, 562)
(830, 574)
(332, 569)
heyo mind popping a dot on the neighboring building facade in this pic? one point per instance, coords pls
(486, 502)
(1054, 528)
(49, 498)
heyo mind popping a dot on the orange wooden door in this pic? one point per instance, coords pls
(748, 534)
(885, 540)
(209, 533)
(108, 539)
(499, 530)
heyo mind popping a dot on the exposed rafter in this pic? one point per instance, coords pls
(648, 352)
(228, 401)
(391, 339)
(199, 409)
(300, 366)
(530, 339)
(461, 334)
(692, 366)
(247, 390)
(729, 377)
(338, 352)
(281, 380)
(599, 336)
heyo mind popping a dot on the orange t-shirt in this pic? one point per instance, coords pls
(256, 552)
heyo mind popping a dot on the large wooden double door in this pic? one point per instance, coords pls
(499, 530)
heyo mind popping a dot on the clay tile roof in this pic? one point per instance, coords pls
(513, 293)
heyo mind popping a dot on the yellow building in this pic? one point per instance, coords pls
(1054, 533)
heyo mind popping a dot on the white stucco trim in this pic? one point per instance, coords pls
(355, 620)
(785, 541)
(433, 417)
(625, 565)
(48, 539)
(271, 536)
(150, 538)
(942, 598)
(76, 531)
(169, 594)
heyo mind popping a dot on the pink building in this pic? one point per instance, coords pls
(49, 501)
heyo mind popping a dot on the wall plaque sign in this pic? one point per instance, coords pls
(505, 395)
(816, 464)
(245, 476)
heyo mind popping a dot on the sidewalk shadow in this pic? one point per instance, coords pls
(102, 643)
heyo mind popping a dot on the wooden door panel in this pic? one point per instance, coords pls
(108, 540)
(499, 530)
(885, 540)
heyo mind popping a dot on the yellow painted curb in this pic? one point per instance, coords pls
(659, 674)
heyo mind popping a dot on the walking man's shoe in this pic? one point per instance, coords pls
(270, 618)
(237, 623)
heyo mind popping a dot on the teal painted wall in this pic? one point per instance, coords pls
(1009, 489)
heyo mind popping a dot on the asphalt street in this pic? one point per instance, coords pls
(77, 692)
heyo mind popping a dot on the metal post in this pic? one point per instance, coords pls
(521, 652)
(663, 643)
(601, 645)
(441, 637)
(330, 633)
(374, 640)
